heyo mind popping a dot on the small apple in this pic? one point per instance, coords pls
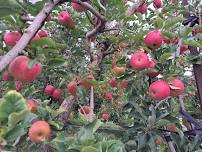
(104, 87)
(108, 96)
(166, 40)
(65, 19)
(157, 3)
(142, 8)
(113, 83)
(43, 33)
(105, 116)
(152, 74)
(18, 86)
(39, 131)
(48, 18)
(49, 89)
(177, 87)
(11, 38)
(32, 105)
(153, 39)
(57, 94)
(78, 7)
(139, 60)
(123, 84)
(72, 88)
(85, 110)
(159, 90)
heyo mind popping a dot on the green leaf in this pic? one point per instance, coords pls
(86, 133)
(56, 61)
(171, 22)
(13, 108)
(193, 43)
(89, 149)
(8, 7)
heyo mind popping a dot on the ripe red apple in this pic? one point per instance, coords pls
(49, 89)
(159, 90)
(39, 131)
(43, 33)
(183, 49)
(153, 39)
(6, 76)
(175, 40)
(18, 86)
(36, 37)
(19, 69)
(166, 40)
(57, 94)
(104, 87)
(177, 88)
(152, 74)
(72, 88)
(159, 141)
(48, 18)
(139, 60)
(105, 116)
(65, 19)
(123, 84)
(113, 83)
(142, 8)
(78, 7)
(157, 3)
(196, 31)
(108, 96)
(11, 38)
(32, 105)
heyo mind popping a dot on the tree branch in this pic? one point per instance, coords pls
(131, 10)
(28, 34)
(91, 9)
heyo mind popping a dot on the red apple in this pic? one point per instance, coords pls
(57, 94)
(142, 8)
(177, 88)
(19, 69)
(113, 83)
(166, 40)
(18, 86)
(153, 39)
(39, 131)
(157, 3)
(183, 49)
(11, 38)
(65, 19)
(72, 88)
(32, 105)
(35, 38)
(105, 116)
(108, 96)
(139, 60)
(152, 74)
(123, 84)
(159, 90)
(78, 7)
(104, 87)
(49, 89)
(6, 76)
(175, 40)
(43, 33)
(48, 18)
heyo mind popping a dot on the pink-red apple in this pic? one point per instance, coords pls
(11, 38)
(65, 19)
(153, 39)
(177, 87)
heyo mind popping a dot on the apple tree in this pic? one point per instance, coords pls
(100, 76)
